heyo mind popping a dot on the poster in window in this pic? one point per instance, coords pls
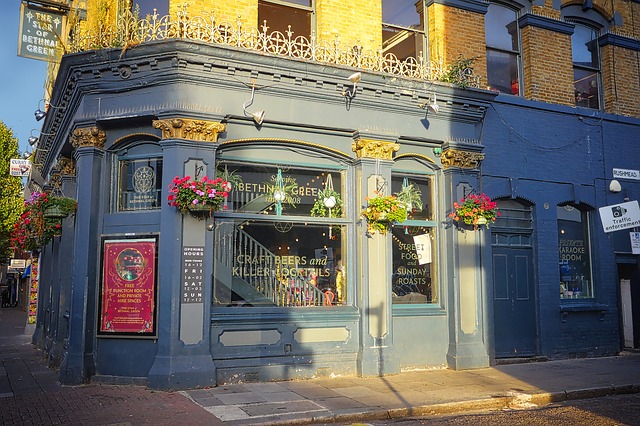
(128, 296)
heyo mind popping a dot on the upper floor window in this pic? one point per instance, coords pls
(403, 28)
(574, 252)
(146, 7)
(586, 66)
(282, 14)
(503, 49)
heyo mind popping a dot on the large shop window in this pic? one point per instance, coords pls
(283, 15)
(414, 245)
(282, 242)
(574, 250)
(139, 184)
(503, 49)
(586, 66)
(403, 28)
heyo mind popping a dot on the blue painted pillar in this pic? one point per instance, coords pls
(377, 355)
(184, 356)
(78, 363)
(62, 288)
(468, 266)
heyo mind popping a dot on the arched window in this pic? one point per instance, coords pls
(574, 252)
(503, 49)
(138, 174)
(414, 279)
(403, 28)
(282, 239)
(586, 66)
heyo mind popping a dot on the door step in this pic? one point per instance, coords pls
(521, 360)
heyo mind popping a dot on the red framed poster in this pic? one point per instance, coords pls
(128, 291)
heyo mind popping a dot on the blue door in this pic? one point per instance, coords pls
(514, 295)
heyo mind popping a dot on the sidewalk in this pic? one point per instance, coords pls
(31, 394)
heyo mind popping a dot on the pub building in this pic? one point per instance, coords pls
(284, 282)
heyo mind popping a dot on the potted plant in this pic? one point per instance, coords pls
(382, 211)
(197, 196)
(475, 209)
(58, 207)
(327, 204)
(410, 196)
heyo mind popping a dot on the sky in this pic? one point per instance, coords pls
(21, 79)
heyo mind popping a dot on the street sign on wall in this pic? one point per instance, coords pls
(41, 32)
(19, 167)
(620, 216)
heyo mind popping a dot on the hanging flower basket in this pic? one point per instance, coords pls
(41, 221)
(198, 197)
(382, 211)
(475, 210)
(59, 207)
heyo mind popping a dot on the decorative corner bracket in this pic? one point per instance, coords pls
(370, 148)
(186, 128)
(88, 136)
(463, 159)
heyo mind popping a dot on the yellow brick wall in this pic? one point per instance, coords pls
(101, 14)
(548, 66)
(620, 70)
(455, 32)
(338, 18)
(224, 11)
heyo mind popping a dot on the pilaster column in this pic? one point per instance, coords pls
(377, 354)
(62, 290)
(184, 356)
(467, 268)
(78, 363)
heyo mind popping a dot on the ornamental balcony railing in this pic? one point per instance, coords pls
(131, 30)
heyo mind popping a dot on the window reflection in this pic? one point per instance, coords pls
(574, 253)
(413, 280)
(503, 49)
(586, 66)
(403, 28)
(279, 17)
(139, 184)
(260, 263)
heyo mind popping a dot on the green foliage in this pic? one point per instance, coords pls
(11, 201)
(319, 208)
(460, 72)
(382, 211)
(411, 197)
(41, 221)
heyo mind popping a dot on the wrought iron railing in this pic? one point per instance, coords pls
(131, 30)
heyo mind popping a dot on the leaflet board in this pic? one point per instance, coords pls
(620, 216)
(20, 167)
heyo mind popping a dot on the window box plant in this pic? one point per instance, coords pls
(476, 210)
(382, 211)
(198, 196)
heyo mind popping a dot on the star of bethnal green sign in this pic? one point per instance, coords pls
(40, 32)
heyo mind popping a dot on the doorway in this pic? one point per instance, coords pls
(514, 293)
